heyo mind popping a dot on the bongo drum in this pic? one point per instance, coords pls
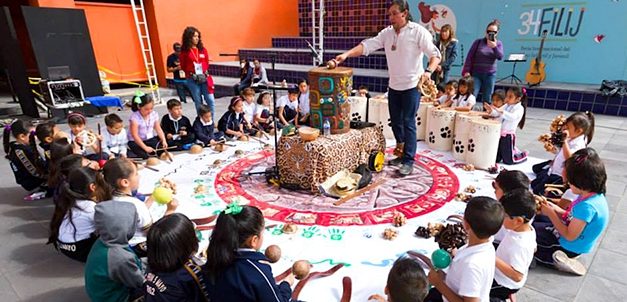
(384, 119)
(421, 120)
(359, 108)
(483, 143)
(460, 139)
(440, 129)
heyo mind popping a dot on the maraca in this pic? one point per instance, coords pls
(101, 163)
(162, 195)
(441, 259)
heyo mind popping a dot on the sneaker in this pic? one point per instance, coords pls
(35, 196)
(569, 265)
(406, 169)
(395, 162)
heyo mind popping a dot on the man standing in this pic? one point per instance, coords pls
(405, 43)
(174, 66)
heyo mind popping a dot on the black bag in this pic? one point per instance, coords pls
(199, 78)
(614, 88)
(366, 175)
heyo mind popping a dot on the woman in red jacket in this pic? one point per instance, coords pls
(195, 62)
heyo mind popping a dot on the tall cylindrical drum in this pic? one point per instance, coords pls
(359, 108)
(460, 139)
(384, 118)
(483, 143)
(441, 129)
(421, 120)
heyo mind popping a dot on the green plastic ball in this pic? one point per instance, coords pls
(441, 259)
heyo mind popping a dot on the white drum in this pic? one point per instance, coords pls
(460, 138)
(359, 107)
(441, 129)
(383, 117)
(483, 142)
(421, 120)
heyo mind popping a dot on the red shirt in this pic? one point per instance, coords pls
(187, 59)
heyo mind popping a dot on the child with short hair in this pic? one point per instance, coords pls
(471, 272)
(465, 99)
(248, 95)
(173, 274)
(515, 252)
(263, 115)
(232, 122)
(24, 160)
(512, 115)
(204, 128)
(72, 228)
(406, 282)
(288, 108)
(236, 270)
(563, 235)
(303, 102)
(362, 91)
(578, 131)
(505, 182)
(450, 94)
(115, 138)
(144, 122)
(79, 134)
(177, 127)
(498, 98)
(113, 272)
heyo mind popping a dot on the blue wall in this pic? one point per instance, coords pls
(571, 52)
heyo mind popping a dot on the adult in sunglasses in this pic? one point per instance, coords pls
(481, 62)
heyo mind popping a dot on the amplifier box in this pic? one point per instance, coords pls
(63, 94)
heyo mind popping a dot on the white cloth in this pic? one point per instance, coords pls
(472, 271)
(285, 101)
(464, 101)
(115, 143)
(405, 62)
(569, 195)
(259, 109)
(516, 249)
(303, 103)
(83, 219)
(144, 219)
(249, 111)
(262, 76)
(575, 145)
(511, 116)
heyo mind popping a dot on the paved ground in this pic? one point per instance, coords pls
(32, 271)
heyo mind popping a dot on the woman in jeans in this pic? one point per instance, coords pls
(194, 61)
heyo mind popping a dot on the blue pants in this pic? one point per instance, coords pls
(484, 83)
(181, 87)
(200, 91)
(403, 106)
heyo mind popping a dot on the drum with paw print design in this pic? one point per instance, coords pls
(440, 129)
(483, 142)
(421, 120)
(462, 128)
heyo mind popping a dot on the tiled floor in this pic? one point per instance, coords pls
(33, 271)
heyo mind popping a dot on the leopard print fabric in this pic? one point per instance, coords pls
(307, 164)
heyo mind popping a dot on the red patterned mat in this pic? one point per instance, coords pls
(430, 186)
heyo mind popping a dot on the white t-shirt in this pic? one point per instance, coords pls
(303, 103)
(512, 114)
(575, 145)
(115, 143)
(285, 101)
(144, 220)
(83, 220)
(249, 111)
(498, 237)
(260, 108)
(464, 101)
(569, 195)
(516, 249)
(472, 271)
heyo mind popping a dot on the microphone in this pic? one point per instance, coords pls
(314, 53)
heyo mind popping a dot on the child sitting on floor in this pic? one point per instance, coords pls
(563, 235)
(303, 102)
(173, 274)
(505, 182)
(578, 131)
(44, 133)
(288, 108)
(263, 115)
(406, 282)
(143, 124)
(79, 135)
(232, 122)
(512, 115)
(115, 138)
(471, 272)
(113, 272)
(204, 128)
(515, 252)
(177, 127)
(236, 270)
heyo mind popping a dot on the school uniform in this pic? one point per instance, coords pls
(507, 152)
(550, 172)
(248, 279)
(264, 112)
(232, 120)
(115, 144)
(464, 101)
(184, 284)
(205, 132)
(516, 249)
(174, 126)
(303, 106)
(290, 109)
(23, 164)
(76, 238)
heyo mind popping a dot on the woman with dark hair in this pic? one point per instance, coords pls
(481, 62)
(246, 73)
(447, 44)
(405, 44)
(194, 60)
(173, 275)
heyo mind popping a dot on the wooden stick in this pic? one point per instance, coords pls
(100, 142)
(165, 149)
(358, 192)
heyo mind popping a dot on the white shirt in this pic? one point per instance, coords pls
(569, 195)
(249, 111)
(263, 76)
(404, 63)
(285, 101)
(115, 143)
(144, 220)
(516, 249)
(260, 108)
(472, 270)
(464, 101)
(575, 145)
(303, 103)
(83, 219)
(511, 116)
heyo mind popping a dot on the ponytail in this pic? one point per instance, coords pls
(140, 100)
(590, 131)
(231, 232)
(6, 138)
(522, 94)
(40, 161)
(583, 121)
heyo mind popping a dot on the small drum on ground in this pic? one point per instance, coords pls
(421, 120)
(462, 128)
(483, 142)
(440, 129)
(359, 108)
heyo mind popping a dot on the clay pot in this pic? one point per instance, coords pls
(152, 161)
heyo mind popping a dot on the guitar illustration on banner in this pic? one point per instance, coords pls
(536, 73)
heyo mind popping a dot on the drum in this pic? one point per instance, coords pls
(460, 138)
(441, 128)
(483, 142)
(328, 98)
(383, 119)
(359, 107)
(421, 120)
